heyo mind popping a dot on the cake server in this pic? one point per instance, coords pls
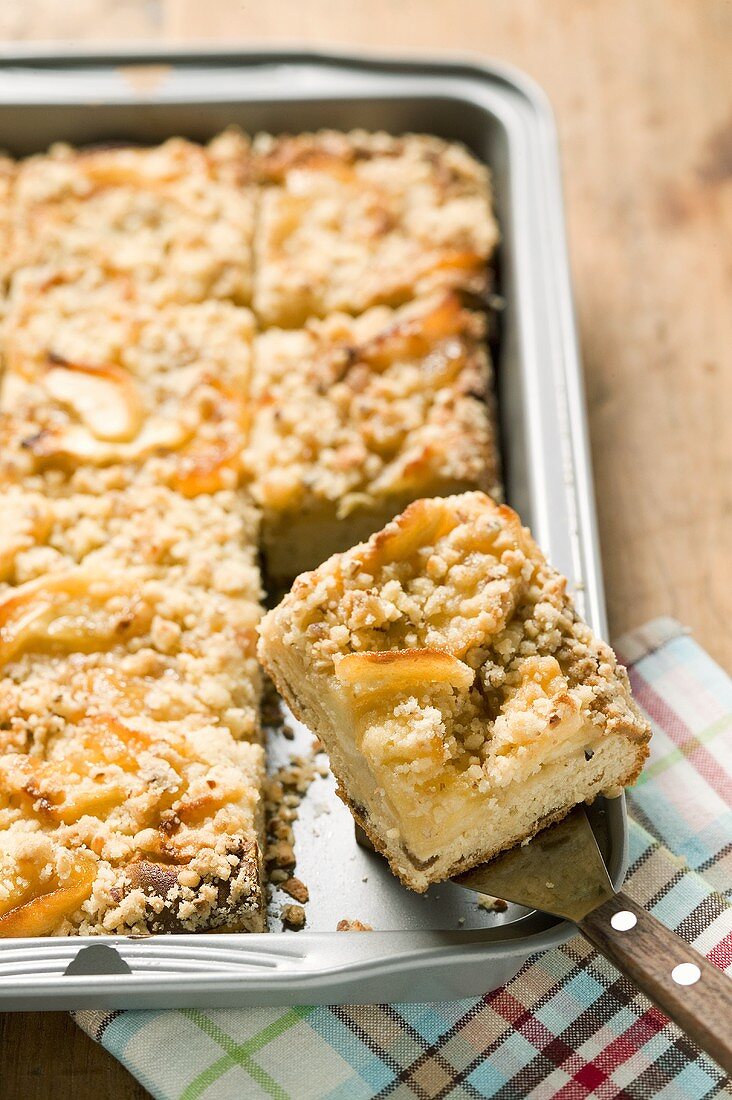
(562, 872)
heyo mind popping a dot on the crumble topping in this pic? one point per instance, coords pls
(455, 650)
(348, 221)
(155, 827)
(100, 391)
(296, 889)
(137, 600)
(130, 764)
(351, 412)
(346, 925)
(293, 917)
(285, 790)
(175, 220)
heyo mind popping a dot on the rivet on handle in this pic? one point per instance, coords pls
(623, 921)
(686, 973)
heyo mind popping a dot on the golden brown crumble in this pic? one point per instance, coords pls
(491, 904)
(346, 925)
(129, 794)
(176, 220)
(100, 391)
(130, 769)
(353, 414)
(293, 917)
(139, 599)
(458, 592)
(348, 221)
(296, 889)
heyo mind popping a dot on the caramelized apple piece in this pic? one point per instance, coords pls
(40, 915)
(416, 336)
(56, 608)
(421, 524)
(402, 670)
(56, 791)
(21, 530)
(75, 444)
(104, 398)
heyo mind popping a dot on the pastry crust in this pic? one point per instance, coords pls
(462, 701)
(354, 417)
(349, 221)
(131, 769)
(175, 220)
(101, 389)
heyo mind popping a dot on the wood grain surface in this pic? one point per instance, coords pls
(642, 90)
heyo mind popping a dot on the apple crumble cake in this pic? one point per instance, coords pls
(348, 221)
(131, 769)
(352, 418)
(463, 703)
(141, 596)
(176, 219)
(130, 826)
(100, 390)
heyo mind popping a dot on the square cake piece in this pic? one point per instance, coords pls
(141, 597)
(352, 418)
(129, 826)
(175, 220)
(463, 703)
(349, 221)
(131, 768)
(101, 389)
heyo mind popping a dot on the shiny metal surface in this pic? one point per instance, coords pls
(560, 871)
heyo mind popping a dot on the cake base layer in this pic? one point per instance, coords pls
(505, 816)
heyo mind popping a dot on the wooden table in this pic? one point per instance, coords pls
(643, 95)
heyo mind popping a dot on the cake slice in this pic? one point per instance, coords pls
(101, 389)
(349, 221)
(352, 418)
(132, 826)
(140, 598)
(131, 768)
(175, 220)
(463, 703)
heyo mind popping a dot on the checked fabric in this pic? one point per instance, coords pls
(567, 1026)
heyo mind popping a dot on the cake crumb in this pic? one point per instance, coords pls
(491, 904)
(297, 889)
(293, 916)
(353, 926)
(281, 853)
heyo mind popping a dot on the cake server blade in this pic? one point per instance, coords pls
(561, 871)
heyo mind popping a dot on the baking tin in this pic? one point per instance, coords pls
(438, 945)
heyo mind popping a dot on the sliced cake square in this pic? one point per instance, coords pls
(352, 418)
(127, 825)
(176, 220)
(348, 221)
(141, 598)
(100, 389)
(131, 769)
(463, 703)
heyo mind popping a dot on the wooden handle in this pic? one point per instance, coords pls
(692, 992)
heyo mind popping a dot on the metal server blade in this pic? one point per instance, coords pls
(560, 871)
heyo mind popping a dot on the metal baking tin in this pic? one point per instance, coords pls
(438, 945)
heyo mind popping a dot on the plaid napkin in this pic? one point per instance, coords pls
(567, 1026)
